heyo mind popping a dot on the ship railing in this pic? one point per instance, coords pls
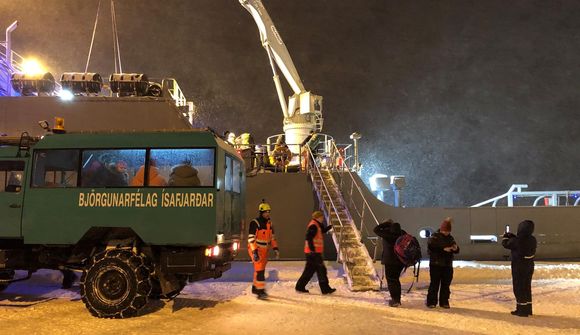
(515, 196)
(7, 68)
(175, 92)
(356, 199)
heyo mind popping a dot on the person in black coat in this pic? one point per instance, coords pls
(442, 247)
(523, 250)
(390, 231)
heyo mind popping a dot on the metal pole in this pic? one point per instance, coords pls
(355, 137)
(9, 57)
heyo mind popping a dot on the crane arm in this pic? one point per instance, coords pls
(275, 47)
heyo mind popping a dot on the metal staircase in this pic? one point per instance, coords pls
(352, 253)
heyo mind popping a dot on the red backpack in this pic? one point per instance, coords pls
(408, 251)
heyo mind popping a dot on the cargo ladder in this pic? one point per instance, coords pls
(360, 272)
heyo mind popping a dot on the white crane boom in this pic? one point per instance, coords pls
(303, 114)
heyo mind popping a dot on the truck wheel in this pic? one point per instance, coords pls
(116, 284)
(6, 275)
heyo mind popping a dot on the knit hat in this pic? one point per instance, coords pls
(446, 224)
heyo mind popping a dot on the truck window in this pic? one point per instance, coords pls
(182, 167)
(55, 168)
(113, 168)
(229, 182)
(236, 176)
(11, 173)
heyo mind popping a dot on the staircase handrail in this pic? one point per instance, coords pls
(311, 164)
(363, 230)
(365, 202)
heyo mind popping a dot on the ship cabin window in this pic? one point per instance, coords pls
(426, 232)
(55, 168)
(11, 174)
(182, 167)
(483, 239)
(112, 168)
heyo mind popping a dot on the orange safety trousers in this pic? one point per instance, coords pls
(259, 267)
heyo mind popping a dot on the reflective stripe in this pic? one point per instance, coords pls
(529, 257)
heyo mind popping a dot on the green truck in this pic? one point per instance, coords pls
(139, 213)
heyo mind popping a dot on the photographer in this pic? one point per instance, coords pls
(523, 250)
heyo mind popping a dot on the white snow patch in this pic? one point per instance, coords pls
(481, 299)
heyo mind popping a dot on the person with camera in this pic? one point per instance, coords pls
(523, 250)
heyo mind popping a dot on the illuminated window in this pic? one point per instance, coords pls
(483, 239)
(11, 174)
(183, 167)
(112, 168)
(426, 232)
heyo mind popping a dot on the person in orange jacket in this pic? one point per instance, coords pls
(155, 179)
(313, 248)
(260, 238)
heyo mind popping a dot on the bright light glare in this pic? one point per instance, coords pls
(66, 95)
(32, 66)
(216, 251)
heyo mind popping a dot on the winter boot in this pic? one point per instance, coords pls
(301, 290)
(394, 303)
(262, 294)
(328, 290)
(519, 311)
(528, 309)
(254, 290)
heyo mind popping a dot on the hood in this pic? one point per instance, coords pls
(395, 228)
(184, 171)
(526, 228)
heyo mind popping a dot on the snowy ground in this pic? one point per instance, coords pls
(481, 299)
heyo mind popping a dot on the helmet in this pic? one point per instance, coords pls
(317, 214)
(264, 206)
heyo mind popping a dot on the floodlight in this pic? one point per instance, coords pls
(129, 84)
(32, 84)
(81, 83)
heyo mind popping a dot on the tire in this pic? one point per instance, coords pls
(6, 274)
(116, 284)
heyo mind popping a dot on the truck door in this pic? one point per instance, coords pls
(228, 196)
(11, 197)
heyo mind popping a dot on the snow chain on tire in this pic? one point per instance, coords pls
(116, 284)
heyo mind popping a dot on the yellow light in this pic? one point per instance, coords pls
(32, 66)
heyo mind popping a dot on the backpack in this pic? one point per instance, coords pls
(408, 251)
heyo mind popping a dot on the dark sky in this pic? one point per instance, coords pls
(462, 97)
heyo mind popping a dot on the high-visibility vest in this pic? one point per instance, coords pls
(264, 237)
(317, 240)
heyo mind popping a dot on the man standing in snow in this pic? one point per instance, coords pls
(441, 246)
(260, 238)
(390, 231)
(523, 250)
(313, 248)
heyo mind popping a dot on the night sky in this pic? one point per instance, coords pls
(464, 98)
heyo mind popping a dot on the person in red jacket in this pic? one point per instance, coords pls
(260, 238)
(313, 248)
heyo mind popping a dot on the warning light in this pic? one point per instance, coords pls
(58, 125)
